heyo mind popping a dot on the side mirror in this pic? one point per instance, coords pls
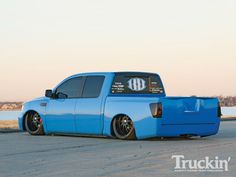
(61, 96)
(48, 93)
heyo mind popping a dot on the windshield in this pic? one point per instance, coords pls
(137, 83)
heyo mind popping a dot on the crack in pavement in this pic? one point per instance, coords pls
(52, 149)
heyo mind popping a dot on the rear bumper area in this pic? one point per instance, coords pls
(176, 130)
(150, 128)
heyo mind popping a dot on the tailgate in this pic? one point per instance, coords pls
(189, 110)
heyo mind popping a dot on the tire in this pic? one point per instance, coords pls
(123, 128)
(34, 124)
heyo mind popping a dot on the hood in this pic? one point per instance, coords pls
(40, 98)
(36, 99)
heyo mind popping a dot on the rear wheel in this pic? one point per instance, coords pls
(123, 128)
(34, 124)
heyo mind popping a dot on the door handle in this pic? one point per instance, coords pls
(43, 104)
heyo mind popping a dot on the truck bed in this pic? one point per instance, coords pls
(189, 110)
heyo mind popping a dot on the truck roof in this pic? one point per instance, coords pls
(108, 73)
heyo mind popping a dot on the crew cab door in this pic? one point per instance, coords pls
(89, 114)
(60, 111)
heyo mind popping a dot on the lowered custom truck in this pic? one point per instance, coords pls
(125, 105)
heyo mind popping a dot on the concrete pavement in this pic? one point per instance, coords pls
(22, 155)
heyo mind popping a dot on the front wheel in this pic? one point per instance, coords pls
(123, 128)
(34, 124)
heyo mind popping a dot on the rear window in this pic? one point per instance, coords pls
(138, 83)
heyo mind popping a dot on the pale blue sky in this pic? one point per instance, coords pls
(192, 44)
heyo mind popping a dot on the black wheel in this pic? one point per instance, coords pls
(34, 124)
(123, 128)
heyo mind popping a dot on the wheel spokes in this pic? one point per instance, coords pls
(34, 122)
(124, 125)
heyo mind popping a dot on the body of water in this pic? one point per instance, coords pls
(13, 115)
(228, 111)
(9, 115)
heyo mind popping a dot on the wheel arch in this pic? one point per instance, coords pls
(116, 116)
(24, 116)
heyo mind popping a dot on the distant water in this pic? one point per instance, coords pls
(228, 111)
(13, 115)
(9, 115)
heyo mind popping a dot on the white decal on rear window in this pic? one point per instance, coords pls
(136, 84)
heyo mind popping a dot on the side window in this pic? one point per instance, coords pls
(72, 88)
(93, 86)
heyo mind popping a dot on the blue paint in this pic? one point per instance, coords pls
(13, 115)
(181, 115)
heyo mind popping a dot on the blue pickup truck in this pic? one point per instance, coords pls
(125, 105)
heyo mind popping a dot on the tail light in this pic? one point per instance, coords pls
(219, 110)
(156, 110)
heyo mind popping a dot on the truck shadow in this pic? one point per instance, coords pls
(115, 139)
(175, 139)
(158, 139)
